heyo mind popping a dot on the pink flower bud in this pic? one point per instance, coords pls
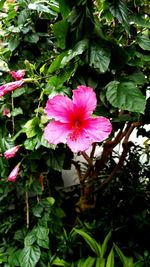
(8, 87)
(10, 153)
(17, 75)
(6, 112)
(14, 173)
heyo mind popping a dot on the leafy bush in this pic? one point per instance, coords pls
(59, 45)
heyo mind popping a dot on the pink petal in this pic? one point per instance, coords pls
(17, 75)
(56, 132)
(13, 175)
(98, 129)
(5, 88)
(59, 108)
(79, 144)
(84, 99)
(10, 153)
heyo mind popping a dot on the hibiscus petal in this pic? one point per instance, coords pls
(98, 128)
(81, 143)
(59, 108)
(56, 132)
(84, 99)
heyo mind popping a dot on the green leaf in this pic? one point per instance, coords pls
(30, 143)
(126, 96)
(32, 38)
(2, 3)
(144, 42)
(60, 262)
(60, 31)
(65, 8)
(104, 245)
(13, 43)
(30, 238)
(16, 111)
(110, 259)
(89, 262)
(119, 10)
(29, 256)
(42, 235)
(76, 51)
(137, 77)
(127, 262)
(56, 160)
(41, 8)
(56, 64)
(18, 92)
(95, 247)
(99, 57)
(30, 128)
(100, 262)
(140, 20)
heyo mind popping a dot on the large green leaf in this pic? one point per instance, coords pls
(99, 57)
(126, 96)
(60, 31)
(31, 127)
(144, 42)
(119, 10)
(13, 43)
(29, 256)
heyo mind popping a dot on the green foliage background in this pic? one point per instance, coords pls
(61, 44)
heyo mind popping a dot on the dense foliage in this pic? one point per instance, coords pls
(62, 44)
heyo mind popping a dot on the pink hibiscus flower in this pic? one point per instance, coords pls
(8, 87)
(10, 153)
(73, 123)
(14, 173)
(17, 75)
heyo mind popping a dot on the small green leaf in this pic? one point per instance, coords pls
(30, 143)
(56, 64)
(32, 38)
(89, 262)
(110, 259)
(144, 42)
(18, 92)
(30, 238)
(119, 10)
(60, 31)
(2, 3)
(13, 43)
(77, 50)
(16, 111)
(56, 160)
(60, 262)
(95, 247)
(41, 8)
(100, 262)
(31, 127)
(104, 245)
(29, 256)
(99, 57)
(42, 236)
(126, 261)
(125, 96)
